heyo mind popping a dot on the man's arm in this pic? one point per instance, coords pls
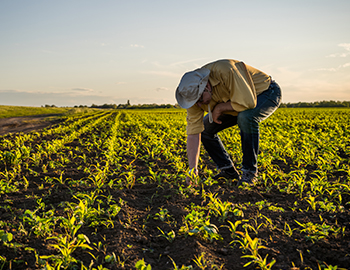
(193, 146)
(219, 109)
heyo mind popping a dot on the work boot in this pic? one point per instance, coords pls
(248, 178)
(229, 174)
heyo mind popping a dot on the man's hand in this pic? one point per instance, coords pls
(193, 149)
(219, 109)
(191, 178)
(216, 114)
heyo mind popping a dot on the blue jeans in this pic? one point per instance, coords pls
(248, 122)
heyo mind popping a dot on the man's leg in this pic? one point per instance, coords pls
(215, 148)
(248, 122)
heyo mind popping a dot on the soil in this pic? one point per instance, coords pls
(135, 234)
(27, 123)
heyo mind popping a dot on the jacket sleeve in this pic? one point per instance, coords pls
(194, 120)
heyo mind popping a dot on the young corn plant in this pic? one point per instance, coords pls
(5, 237)
(288, 230)
(197, 224)
(183, 267)
(325, 266)
(163, 215)
(117, 260)
(202, 263)
(253, 246)
(233, 228)
(142, 265)
(221, 209)
(40, 225)
(66, 245)
(170, 236)
(316, 232)
(98, 177)
(71, 225)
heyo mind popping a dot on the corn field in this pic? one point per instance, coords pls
(106, 189)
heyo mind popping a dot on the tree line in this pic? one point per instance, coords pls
(127, 105)
(320, 104)
(323, 104)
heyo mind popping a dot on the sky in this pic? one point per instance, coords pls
(84, 52)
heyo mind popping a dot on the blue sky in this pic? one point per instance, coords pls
(83, 52)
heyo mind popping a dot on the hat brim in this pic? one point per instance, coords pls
(186, 102)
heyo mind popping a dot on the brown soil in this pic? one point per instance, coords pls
(26, 124)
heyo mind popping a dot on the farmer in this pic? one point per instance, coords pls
(233, 93)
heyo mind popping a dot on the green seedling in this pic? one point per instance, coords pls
(66, 245)
(170, 236)
(162, 215)
(141, 265)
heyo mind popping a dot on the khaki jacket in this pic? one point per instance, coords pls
(233, 81)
